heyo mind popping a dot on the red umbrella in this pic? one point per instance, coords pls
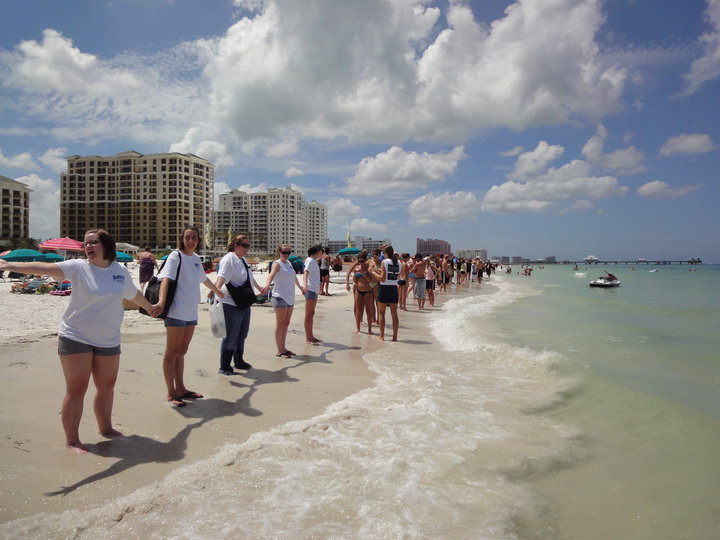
(67, 244)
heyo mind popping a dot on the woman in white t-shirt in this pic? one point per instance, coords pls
(182, 317)
(312, 282)
(233, 269)
(89, 333)
(285, 279)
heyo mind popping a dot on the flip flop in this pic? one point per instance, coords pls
(290, 353)
(175, 402)
(283, 355)
(190, 394)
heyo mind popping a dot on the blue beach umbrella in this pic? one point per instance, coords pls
(53, 257)
(121, 256)
(24, 255)
(349, 251)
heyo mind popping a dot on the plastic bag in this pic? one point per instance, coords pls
(217, 319)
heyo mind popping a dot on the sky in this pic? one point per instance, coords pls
(527, 128)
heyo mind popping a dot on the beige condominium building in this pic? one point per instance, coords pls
(15, 218)
(141, 199)
(270, 218)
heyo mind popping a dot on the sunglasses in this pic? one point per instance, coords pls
(91, 242)
(285, 252)
(243, 245)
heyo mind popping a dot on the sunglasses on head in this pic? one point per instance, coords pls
(285, 252)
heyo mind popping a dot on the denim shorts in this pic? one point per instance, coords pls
(170, 322)
(67, 346)
(311, 295)
(279, 302)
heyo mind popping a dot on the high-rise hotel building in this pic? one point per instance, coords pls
(15, 206)
(271, 218)
(142, 199)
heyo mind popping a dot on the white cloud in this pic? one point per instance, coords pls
(624, 161)
(44, 206)
(513, 152)
(695, 143)
(23, 160)
(707, 67)
(531, 163)
(536, 187)
(293, 171)
(363, 226)
(660, 190)
(444, 207)
(397, 170)
(53, 159)
(341, 212)
(383, 72)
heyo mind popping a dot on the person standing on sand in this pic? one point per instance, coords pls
(283, 296)
(233, 269)
(418, 268)
(148, 265)
(89, 334)
(312, 283)
(182, 316)
(388, 291)
(325, 272)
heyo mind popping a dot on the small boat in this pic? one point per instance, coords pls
(605, 282)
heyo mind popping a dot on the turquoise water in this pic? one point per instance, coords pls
(525, 408)
(647, 402)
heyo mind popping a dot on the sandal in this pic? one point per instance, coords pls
(175, 402)
(290, 353)
(190, 394)
(283, 355)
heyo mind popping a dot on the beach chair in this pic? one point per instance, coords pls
(33, 286)
(17, 276)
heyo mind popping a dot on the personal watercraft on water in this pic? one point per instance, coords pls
(609, 281)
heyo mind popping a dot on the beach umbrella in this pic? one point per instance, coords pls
(121, 256)
(24, 255)
(349, 251)
(65, 244)
(4, 253)
(52, 257)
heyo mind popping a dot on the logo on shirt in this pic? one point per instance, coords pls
(119, 278)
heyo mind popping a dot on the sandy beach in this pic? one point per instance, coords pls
(40, 475)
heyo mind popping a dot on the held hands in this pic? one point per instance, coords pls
(220, 294)
(156, 309)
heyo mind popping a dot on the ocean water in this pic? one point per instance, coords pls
(525, 408)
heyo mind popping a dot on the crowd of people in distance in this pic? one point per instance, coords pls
(89, 333)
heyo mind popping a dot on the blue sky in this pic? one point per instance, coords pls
(532, 128)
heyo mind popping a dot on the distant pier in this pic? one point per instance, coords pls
(634, 262)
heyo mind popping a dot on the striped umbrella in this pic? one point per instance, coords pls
(66, 244)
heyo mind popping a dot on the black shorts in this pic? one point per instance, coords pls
(388, 294)
(429, 284)
(324, 273)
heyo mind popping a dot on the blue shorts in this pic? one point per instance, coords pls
(170, 322)
(311, 295)
(279, 302)
(67, 346)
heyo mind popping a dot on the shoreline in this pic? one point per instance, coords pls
(42, 476)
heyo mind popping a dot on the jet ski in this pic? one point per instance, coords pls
(605, 281)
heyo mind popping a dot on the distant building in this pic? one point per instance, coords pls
(432, 245)
(502, 259)
(360, 242)
(473, 254)
(142, 199)
(15, 216)
(519, 260)
(270, 218)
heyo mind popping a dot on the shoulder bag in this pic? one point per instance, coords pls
(243, 296)
(152, 290)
